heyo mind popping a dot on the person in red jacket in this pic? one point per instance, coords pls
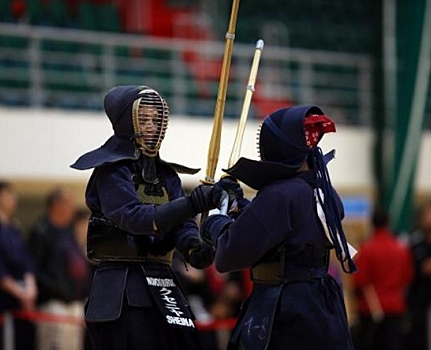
(385, 270)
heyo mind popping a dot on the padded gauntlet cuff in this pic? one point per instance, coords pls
(214, 226)
(200, 254)
(173, 213)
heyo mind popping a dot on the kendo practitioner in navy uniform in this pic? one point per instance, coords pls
(284, 235)
(139, 215)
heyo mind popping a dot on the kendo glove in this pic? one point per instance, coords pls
(203, 198)
(214, 226)
(237, 202)
(201, 255)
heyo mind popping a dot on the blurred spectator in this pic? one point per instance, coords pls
(419, 296)
(384, 273)
(195, 285)
(81, 268)
(213, 296)
(80, 226)
(229, 291)
(18, 289)
(61, 272)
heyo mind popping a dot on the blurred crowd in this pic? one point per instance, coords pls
(392, 288)
(45, 271)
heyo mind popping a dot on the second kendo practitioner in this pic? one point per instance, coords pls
(139, 215)
(284, 235)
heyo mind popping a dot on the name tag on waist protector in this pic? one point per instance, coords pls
(168, 297)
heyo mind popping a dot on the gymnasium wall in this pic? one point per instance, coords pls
(39, 145)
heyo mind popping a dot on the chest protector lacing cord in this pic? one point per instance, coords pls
(329, 205)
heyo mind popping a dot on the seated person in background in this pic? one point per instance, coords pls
(18, 289)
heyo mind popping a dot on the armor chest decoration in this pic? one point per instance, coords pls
(152, 193)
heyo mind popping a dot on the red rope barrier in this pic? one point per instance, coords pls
(37, 316)
(214, 325)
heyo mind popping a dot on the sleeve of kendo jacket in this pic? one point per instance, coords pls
(112, 190)
(264, 224)
(187, 233)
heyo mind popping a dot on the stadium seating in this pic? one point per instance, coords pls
(73, 72)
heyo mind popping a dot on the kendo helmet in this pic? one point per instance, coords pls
(285, 140)
(287, 135)
(139, 116)
(139, 113)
